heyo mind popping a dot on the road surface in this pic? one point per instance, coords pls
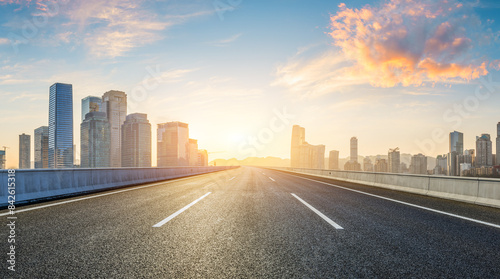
(254, 223)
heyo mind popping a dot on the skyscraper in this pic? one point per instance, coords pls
(380, 165)
(498, 144)
(42, 147)
(298, 139)
(457, 142)
(394, 160)
(354, 149)
(95, 141)
(456, 148)
(484, 151)
(193, 152)
(136, 141)
(333, 160)
(91, 103)
(24, 151)
(172, 144)
(114, 103)
(61, 126)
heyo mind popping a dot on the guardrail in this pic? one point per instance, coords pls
(35, 184)
(484, 191)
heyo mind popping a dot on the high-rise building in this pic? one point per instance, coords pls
(298, 139)
(172, 144)
(24, 151)
(42, 147)
(136, 141)
(498, 145)
(456, 148)
(2, 159)
(303, 154)
(95, 141)
(333, 160)
(114, 103)
(354, 149)
(484, 153)
(457, 142)
(90, 104)
(61, 126)
(202, 158)
(193, 152)
(418, 164)
(394, 160)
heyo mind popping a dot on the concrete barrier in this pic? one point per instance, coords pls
(483, 191)
(44, 183)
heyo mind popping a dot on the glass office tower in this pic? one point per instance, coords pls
(61, 126)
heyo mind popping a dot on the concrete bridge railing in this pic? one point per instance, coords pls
(484, 191)
(44, 183)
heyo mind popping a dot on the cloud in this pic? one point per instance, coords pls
(316, 76)
(226, 42)
(112, 28)
(408, 42)
(4, 41)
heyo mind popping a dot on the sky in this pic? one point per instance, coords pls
(395, 73)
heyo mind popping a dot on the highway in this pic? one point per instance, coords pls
(254, 223)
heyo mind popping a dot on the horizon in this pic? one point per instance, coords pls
(241, 83)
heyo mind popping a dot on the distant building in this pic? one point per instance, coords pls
(394, 160)
(193, 152)
(441, 165)
(498, 145)
(114, 103)
(303, 154)
(298, 139)
(354, 149)
(381, 165)
(61, 126)
(91, 104)
(404, 168)
(484, 151)
(456, 148)
(172, 144)
(333, 160)
(24, 151)
(418, 164)
(136, 141)
(2, 159)
(95, 141)
(42, 147)
(202, 158)
(367, 164)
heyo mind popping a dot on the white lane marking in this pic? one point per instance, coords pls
(328, 220)
(164, 221)
(271, 178)
(232, 178)
(405, 203)
(94, 196)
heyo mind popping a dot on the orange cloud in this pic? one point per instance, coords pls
(407, 42)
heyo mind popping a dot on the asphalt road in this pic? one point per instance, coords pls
(254, 223)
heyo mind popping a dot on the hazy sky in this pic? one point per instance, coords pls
(399, 73)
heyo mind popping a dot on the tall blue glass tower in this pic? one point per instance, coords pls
(61, 126)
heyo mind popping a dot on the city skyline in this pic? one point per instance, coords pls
(218, 83)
